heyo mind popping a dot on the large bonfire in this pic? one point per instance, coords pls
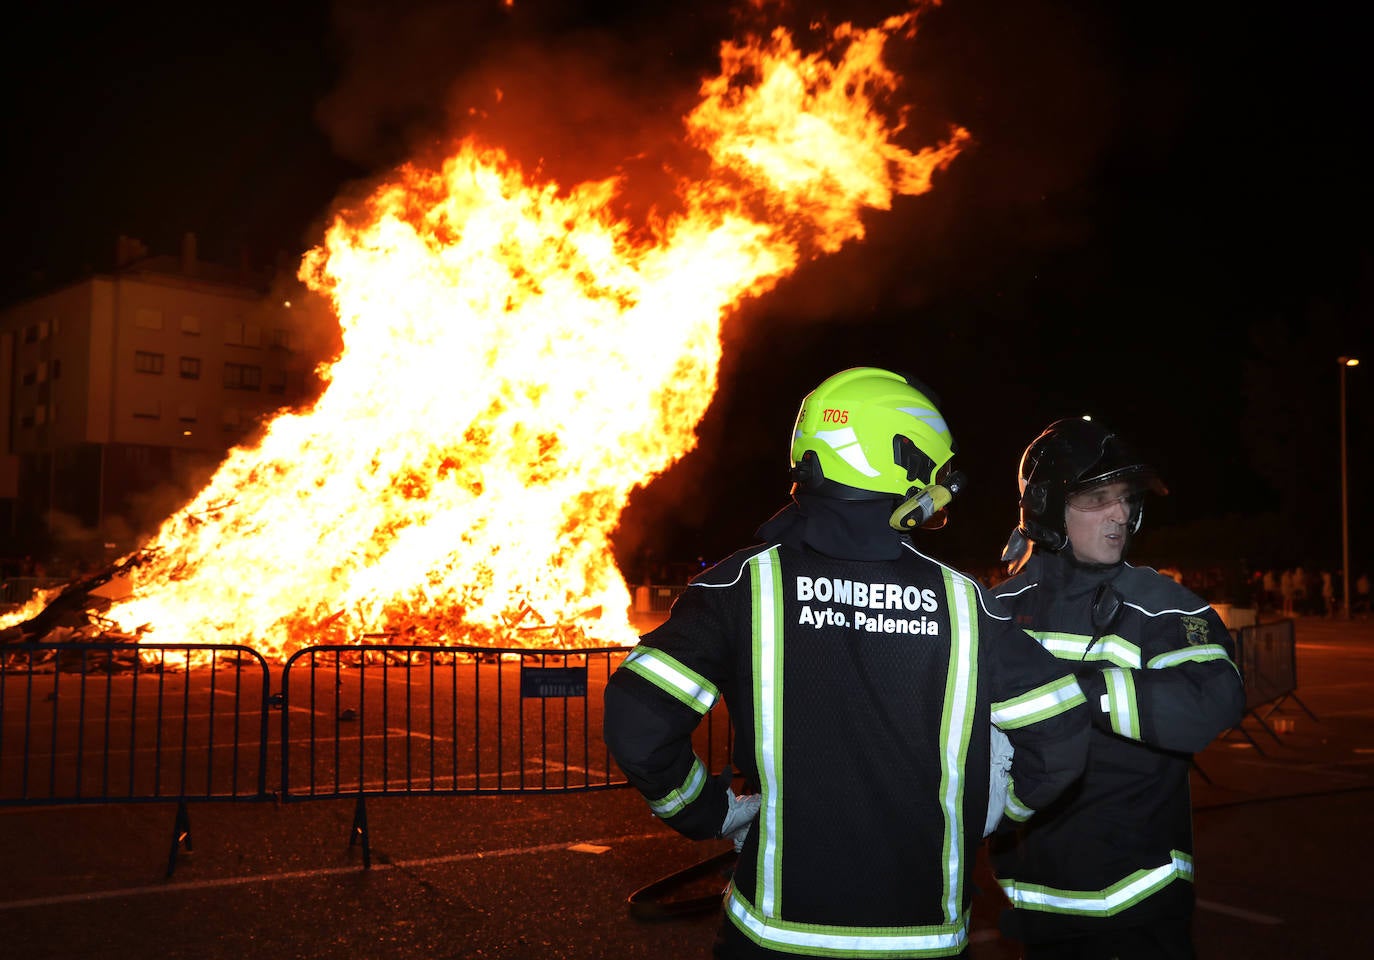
(517, 359)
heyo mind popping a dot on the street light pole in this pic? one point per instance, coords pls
(1345, 497)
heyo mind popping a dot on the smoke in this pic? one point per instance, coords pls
(579, 87)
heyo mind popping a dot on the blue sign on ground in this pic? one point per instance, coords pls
(553, 681)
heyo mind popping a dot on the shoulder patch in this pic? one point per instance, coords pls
(1195, 630)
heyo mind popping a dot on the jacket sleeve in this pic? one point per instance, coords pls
(1186, 694)
(1041, 709)
(654, 701)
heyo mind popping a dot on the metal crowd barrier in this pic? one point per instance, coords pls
(656, 598)
(363, 721)
(101, 722)
(1266, 654)
(117, 722)
(127, 723)
(386, 720)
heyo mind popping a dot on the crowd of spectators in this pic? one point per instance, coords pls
(1304, 591)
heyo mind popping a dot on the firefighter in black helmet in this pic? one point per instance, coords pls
(1107, 871)
(862, 679)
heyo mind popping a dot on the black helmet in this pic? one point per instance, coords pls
(1071, 455)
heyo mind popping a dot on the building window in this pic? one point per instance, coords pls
(43, 371)
(281, 338)
(56, 369)
(187, 413)
(147, 318)
(238, 333)
(147, 409)
(146, 362)
(190, 325)
(31, 334)
(190, 368)
(242, 376)
(42, 329)
(26, 421)
(30, 377)
(40, 415)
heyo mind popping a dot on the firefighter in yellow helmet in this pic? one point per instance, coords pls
(862, 678)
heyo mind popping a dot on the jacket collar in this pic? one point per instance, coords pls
(843, 529)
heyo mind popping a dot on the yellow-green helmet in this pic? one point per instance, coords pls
(866, 433)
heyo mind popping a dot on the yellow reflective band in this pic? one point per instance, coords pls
(677, 801)
(1198, 654)
(1121, 895)
(1014, 808)
(1047, 700)
(1125, 715)
(842, 941)
(1074, 646)
(678, 681)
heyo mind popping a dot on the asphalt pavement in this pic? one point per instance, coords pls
(1281, 837)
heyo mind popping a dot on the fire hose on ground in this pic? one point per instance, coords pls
(661, 900)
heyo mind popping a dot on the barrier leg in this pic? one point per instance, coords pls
(359, 832)
(1261, 720)
(181, 835)
(1294, 697)
(1253, 742)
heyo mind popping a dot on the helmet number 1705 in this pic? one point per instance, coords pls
(831, 415)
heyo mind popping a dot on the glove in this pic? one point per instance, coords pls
(739, 815)
(1000, 774)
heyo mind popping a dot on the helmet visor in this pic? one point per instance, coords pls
(1129, 489)
(1097, 499)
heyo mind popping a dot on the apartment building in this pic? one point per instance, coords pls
(120, 393)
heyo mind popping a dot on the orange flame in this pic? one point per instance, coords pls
(516, 361)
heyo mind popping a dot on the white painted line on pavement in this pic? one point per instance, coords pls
(165, 888)
(1239, 913)
(198, 749)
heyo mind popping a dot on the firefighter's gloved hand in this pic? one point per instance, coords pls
(1001, 756)
(739, 814)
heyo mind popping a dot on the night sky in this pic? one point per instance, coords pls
(1163, 221)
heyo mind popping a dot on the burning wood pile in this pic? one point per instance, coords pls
(73, 612)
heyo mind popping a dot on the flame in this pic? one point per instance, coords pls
(517, 359)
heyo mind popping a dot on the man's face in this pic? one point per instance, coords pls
(1096, 522)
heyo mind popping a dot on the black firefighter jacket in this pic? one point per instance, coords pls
(861, 693)
(1158, 670)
